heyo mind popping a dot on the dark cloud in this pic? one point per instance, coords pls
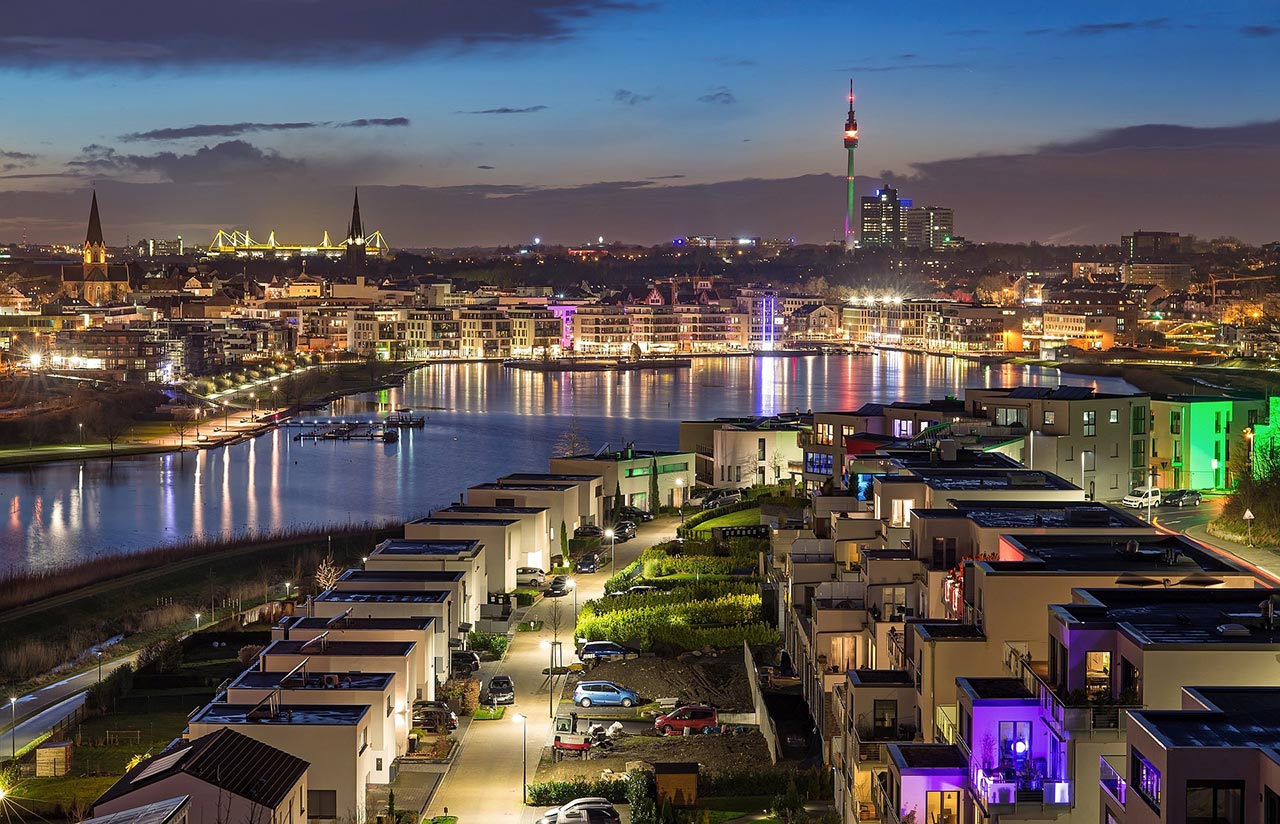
(485, 167)
(154, 33)
(665, 177)
(629, 98)
(720, 96)
(735, 62)
(231, 160)
(508, 110)
(17, 156)
(1169, 136)
(1260, 30)
(237, 129)
(902, 67)
(215, 130)
(1109, 27)
(374, 122)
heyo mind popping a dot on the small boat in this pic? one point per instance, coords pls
(403, 409)
(390, 436)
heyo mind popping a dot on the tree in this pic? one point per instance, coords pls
(555, 619)
(181, 428)
(618, 501)
(654, 500)
(564, 543)
(571, 442)
(327, 573)
(112, 431)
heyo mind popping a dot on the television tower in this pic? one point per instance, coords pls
(851, 200)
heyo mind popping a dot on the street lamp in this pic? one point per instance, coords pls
(197, 622)
(573, 585)
(680, 486)
(550, 646)
(13, 738)
(524, 751)
(98, 653)
(81, 426)
(286, 590)
(609, 533)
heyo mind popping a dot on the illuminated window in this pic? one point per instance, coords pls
(1090, 420)
(1145, 780)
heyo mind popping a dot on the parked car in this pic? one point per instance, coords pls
(635, 513)
(1142, 496)
(589, 815)
(552, 816)
(587, 563)
(502, 690)
(692, 718)
(1182, 497)
(603, 694)
(531, 576)
(641, 589)
(434, 715)
(559, 586)
(730, 496)
(603, 651)
(589, 531)
(464, 660)
(624, 530)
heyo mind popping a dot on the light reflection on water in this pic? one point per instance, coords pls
(483, 422)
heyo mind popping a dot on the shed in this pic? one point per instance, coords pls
(53, 759)
(677, 782)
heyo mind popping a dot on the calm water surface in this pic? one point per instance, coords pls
(482, 422)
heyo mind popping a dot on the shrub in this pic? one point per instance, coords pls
(526, 597)
(554, 793)
(640, 797)
(686, 529)
(812, 784)
(491, 642)
(465, 691)
(248, 654)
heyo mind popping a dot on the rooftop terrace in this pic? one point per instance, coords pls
(497, 510)
(546, 476)
(320, 715)
(1243, 717)
(1157, 555)
(480, 522)
(403, 546)
(995, 689)
(527, 487)
(1177, 616)
(353, 623)
(928, 756)
(340, 648)
(390, 575)
(256, 679)
(408, 596)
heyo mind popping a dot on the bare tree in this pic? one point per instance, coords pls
(555, 619)
(327, 574)
(180, 428)
(572, 441)
(113, 429)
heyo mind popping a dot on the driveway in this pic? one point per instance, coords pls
(485, 781)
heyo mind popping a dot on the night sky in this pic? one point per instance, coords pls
(492, 121)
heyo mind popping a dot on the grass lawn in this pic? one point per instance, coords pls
(743, 517)
(729, 808)
(441, 819)
(486, 713)
(529, 626)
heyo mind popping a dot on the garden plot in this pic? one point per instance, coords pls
(716, 754)
(719, 680)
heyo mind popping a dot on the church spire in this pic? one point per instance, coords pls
(355, 232)
(94, 236)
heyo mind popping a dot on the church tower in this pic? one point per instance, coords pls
(356, 240)
(95, 248)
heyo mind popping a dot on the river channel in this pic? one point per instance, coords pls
(482, 422)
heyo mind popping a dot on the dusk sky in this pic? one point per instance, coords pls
(492, 122)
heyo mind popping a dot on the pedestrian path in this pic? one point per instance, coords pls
(1263, 560)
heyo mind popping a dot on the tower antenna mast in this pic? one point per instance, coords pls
(851, 200)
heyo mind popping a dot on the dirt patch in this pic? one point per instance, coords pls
(716, 753)
(719, 680)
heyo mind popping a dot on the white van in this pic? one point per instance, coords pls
(1141, 497)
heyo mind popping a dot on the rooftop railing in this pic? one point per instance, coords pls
(1111, 778)
(1074, 719)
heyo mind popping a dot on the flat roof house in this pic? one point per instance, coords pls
(431, 646)
(225, 775)
(467, 557)
(590, 490)
(501, 538)
(322, 655)
(535, 532)
(560, 500)
(629, 470)
(374, 580)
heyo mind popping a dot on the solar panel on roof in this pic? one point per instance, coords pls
(160, 764)
(1030, 392)
(1072, 393)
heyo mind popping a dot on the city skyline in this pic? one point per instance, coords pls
(568, 121)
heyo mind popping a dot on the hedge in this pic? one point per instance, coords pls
(681, 591)
(555, 793)
(686, 529)
(491, 642)
(669, 638)
(813, 784)
(601, 620)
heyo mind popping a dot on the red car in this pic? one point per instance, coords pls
(692, 718)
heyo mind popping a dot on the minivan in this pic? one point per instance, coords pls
(1142, 496)
(530, 576)
(729, 498)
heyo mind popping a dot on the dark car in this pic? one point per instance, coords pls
(624, 530)
(587, 563)
(434, 716)
(1182, 497)
(464, 660)
(635, 514)
(559, 586)
(603, 651)
(501, 690)
(589, 531)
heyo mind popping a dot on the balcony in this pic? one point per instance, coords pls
(1011, 794)
(1111, 777)
(1106, 721)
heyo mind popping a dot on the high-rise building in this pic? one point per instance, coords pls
(1150, 247)
(928, 227)
(850, 143)
(151, 247)
(882, 223)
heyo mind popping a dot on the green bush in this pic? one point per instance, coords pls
(490, 642)
(681, 591)
(554, 793)
(686, 529)
(526, 597)
(813, 785)
(677, 638)
(679, 620)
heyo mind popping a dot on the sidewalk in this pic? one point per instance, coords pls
(1263, 560)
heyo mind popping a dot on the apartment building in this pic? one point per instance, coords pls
(560, 500)
(223, 776)
(590, 490)
(535, 332)
(757, 452)
(465, 556)
(500, 538)
(483, 331)
(655, 329)
(336, 783)
(702, 328)
(535, 528)
(628, 472)
(431, 646)
(1202, 442)
(600, 329)
(401, 659)
(465, 605)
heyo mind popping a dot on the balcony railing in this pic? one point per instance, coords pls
(1112, 779)
(1000, 795)
(1089, 719)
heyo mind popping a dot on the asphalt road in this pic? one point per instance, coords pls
(485, 781)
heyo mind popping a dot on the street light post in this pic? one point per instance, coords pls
(573, 585)
(197, 622)
(551, 677)
(98, 653)
(81, 427)
(13, 737)
(524, 752)
(609, 533)
(286, 590)
(680, 486)
(1151, 482)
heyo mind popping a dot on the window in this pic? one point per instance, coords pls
(1139, 420)
(1145, 780)
(1008, 416)
(823, 433)
(322, 803)
(1113, 416)
(904, 429)
(388, 706)
(900, 514)
(667, 469)
(377, 764)
(1175, 422)
(637, 471)
(1090, 420)
(1048, 417)
(1217, 422)
(1088, 460)
(818, 463)
(1215, 802)
(1139, 453)
(364, 739)
(738, 473)
(1177, 452)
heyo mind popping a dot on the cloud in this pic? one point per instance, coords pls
(485, 167)
(17, 156)
(150, 34)
(1169, 136)
(1110, 27)
(902, 67)
(507, 110)
(734, 62)
(629, 98)
(374, 122)
(231, 160)
(665, 177)
(1260, 30)
(237, 129)
(720, 96)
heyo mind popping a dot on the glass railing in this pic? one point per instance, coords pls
(1088, 718)
(1112, 780)
(995, 789)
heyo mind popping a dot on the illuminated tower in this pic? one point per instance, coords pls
(356, 240)
(95, 248)
(851, 201)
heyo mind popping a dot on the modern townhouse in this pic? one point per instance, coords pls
(535, 548)
(590, 490)
(429, 655)
(500, 538)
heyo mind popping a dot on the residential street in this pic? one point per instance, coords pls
(484, 784)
